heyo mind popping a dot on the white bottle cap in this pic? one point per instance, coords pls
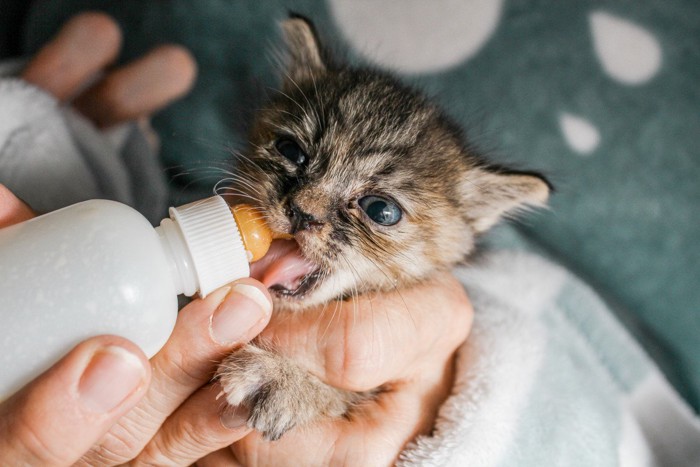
(214, 242)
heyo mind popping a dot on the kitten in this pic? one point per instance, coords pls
(378, 189)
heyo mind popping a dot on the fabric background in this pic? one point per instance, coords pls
(601, 96)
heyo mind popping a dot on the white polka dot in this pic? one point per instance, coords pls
(417, 35)
(579, 133)
(628, 52)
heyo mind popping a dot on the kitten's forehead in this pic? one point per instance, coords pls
(362, 133)
(378, 115)
(370, 119)
(362, 113)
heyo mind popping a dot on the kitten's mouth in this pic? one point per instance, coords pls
(284, 271)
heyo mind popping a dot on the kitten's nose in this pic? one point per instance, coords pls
(301, 220)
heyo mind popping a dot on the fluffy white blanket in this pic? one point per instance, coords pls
(550, 378)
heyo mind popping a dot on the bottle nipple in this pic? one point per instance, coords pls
(255, 233)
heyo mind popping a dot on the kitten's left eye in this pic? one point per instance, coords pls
(381, 210)
(289, 148)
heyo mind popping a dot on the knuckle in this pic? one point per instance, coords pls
(356, 362)
(184, 441)
(125, 440)
(176, 367)
(184, 438)
(118, 446)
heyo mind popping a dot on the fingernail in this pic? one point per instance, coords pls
(111, 376)
(234, 417)
(218, 296)
(242, 309)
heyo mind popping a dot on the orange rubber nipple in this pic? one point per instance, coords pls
(256, 235)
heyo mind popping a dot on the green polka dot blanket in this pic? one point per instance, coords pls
(602, 97)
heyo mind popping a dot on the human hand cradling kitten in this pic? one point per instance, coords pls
(364, 344)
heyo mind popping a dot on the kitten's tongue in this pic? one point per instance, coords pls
(282, 265)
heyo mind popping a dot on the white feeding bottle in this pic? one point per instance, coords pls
(99, 267)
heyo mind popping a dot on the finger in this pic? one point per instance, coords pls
(373, 435)
(139, 88)
(204, 332)
(85, 45)
(61, 414)
(12, 209)
(363, 343)
(196, 429)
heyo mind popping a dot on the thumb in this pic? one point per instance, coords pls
(57, 417)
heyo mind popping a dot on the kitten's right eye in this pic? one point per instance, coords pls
(289, 149)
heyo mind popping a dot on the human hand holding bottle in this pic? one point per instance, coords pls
(106, 385)
(105, 389)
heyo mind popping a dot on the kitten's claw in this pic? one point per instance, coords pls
(270, 413)
(279, 394)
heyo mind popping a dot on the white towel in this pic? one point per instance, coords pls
(549, 378)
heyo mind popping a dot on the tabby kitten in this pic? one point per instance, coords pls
(379, 191)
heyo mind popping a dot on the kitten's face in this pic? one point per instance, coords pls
(370, 178)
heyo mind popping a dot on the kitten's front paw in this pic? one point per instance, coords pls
(272, 411)
(278, 393)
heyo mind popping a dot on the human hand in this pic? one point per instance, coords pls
(104, 403)
(103, 396)
(73, 68)
(404, 341)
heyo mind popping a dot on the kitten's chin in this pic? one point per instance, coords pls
(299, 289)
(320, 294)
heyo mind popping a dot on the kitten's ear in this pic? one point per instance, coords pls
(305, 57)
(489, 195)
